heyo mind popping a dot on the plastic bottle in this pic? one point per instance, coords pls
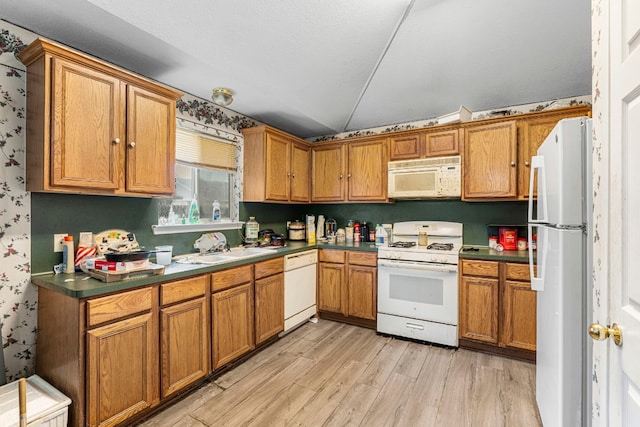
(68, 264)
(251, 230)
(364, 232)
(194, 211)
(215, 217)
(381, 235)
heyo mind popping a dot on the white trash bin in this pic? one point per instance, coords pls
(46, 406)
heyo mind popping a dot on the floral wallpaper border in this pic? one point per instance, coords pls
(18, 297)
(507, 111)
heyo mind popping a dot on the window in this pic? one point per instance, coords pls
(209, 185)
(205, 168)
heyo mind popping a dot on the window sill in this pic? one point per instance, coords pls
(191, 228)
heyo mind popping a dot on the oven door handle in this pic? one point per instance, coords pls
(422, 266)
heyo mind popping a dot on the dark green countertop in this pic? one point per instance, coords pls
(81, 285)
(484, 253)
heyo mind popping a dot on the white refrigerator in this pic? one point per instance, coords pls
(561, 218)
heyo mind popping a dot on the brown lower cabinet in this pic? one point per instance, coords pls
(348, 286)
(184, 341)
(497, 308)
(232, 314)
(119, 355)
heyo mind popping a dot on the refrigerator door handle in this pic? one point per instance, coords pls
(537, 169)
(537, 282)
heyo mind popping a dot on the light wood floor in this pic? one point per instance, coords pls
(332, 374)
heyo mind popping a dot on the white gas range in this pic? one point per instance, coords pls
(418, 284)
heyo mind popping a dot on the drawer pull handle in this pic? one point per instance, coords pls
(415, 326)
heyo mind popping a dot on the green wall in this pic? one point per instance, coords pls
(72, 214)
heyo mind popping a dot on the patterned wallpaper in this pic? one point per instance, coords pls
(18, 297)
(600, 113)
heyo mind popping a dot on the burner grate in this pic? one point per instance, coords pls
(402, 244)
(441, 246)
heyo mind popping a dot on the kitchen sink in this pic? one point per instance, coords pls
(222, 257)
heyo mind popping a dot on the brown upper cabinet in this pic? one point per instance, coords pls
(94, 128)
(532, 132)
(276, 166)
(430, 143)
(350, 171)
(489, 161)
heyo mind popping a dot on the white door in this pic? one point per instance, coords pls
(623, 401)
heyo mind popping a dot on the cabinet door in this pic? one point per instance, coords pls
(331, 290)
(299, 172)
(122, 369)
(184, 344)
(277, 168)
(518, 323)
(150, 145)
(88, 117)
(327, 173)
(233, 332)
(533, 133)
(443, 143)
(367, 176)
(405, 147)
(269, 307)
(362, 284)
(479, 309)
(490, 161)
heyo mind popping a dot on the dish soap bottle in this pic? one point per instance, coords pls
(194, 211)
(215, 217)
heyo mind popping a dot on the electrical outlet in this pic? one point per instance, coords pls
(57, 242)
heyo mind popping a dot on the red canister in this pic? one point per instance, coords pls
(508, 238)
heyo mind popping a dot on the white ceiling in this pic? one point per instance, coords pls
(325, 66)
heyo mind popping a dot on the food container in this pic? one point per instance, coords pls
(296, 230)
(522, 244)
(508, 238)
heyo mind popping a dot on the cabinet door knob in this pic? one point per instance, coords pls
(340, 176)
(132, 144)
(117, 140)
(513, 164)
(293, 175)
(526, 164)
(348, 176)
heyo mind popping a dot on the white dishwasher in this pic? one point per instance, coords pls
(299, 288)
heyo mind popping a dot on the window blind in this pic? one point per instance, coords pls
(203, 150)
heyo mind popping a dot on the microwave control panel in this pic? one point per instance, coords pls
(450, 181)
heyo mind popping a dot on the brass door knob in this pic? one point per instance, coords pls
(600, 332)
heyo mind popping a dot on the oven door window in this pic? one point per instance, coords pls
(421, 290)
(419, 294)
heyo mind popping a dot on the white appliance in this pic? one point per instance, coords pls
(418, 285)
(562, 221)
(424, 178)
(299, 288)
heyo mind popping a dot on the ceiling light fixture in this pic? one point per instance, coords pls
(222, 96)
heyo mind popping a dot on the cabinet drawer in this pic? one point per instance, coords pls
(331, 255)
(114, 307)
(269, 268)
(183, 290)
(480, 268)
(363, 258)
(232, 277)
(518, 271)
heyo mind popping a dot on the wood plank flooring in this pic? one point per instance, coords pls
(333, 374)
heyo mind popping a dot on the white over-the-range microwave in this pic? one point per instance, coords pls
(437, 177)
